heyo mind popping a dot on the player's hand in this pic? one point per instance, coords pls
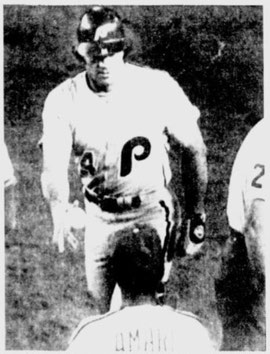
(192, 234)
(62, 233)
(65, 220)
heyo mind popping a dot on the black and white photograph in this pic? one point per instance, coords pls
(134, 125)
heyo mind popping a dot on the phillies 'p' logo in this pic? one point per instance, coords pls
(126, 156)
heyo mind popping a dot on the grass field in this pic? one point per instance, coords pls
(46, 292)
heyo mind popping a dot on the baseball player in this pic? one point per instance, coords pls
(246, 211)
(118, 119)
(140, 325)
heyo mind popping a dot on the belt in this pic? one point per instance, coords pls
(113, 205)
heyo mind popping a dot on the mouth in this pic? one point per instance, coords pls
(103, 74)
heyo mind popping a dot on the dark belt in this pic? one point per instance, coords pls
(113, 205)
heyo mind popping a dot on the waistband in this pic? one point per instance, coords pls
(114, 204)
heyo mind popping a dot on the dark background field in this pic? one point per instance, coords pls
(216, 55)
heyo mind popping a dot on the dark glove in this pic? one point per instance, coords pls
(197, 228)
(192, 234)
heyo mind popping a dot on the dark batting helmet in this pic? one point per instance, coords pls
(101, 27)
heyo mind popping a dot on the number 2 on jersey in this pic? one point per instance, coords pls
(256, 180)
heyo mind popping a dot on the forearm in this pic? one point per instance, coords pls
(193, 167)
(55, 188)
(194, 177)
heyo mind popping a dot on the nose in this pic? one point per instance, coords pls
(103, 54)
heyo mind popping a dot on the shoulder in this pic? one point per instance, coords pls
(160, 88)
(255, 143)
(187, 314)
(184, 316)
(189, 324)
(67, 89)
(149, 76)
(258, 133)
(190, 317)
(89, 323)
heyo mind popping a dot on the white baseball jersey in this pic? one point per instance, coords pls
(141, 329)
(119, 136)
(248, 178)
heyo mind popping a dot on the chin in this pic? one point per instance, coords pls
(105, 83)
(104, 86)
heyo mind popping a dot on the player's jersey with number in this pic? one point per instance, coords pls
(120, 137)
(248, 178)
(141, 329)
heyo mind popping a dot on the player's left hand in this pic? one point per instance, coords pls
(192, 234)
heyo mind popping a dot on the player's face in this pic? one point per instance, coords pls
(104, 69)
(103, 57)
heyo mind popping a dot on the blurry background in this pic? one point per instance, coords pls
(216, 55)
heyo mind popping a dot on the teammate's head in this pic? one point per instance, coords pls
(101, 44)
(138, 262)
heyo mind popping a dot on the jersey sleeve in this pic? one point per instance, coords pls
(84, 336)
(56, 146)
(181, 115)
(247, 182)
(235, 204)
(202, 342)
(196, 338)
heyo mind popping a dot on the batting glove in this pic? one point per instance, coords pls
(192, 234)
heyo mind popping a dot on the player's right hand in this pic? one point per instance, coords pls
(65, 219)
(62, 233)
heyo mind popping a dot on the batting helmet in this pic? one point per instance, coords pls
(101, 27)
